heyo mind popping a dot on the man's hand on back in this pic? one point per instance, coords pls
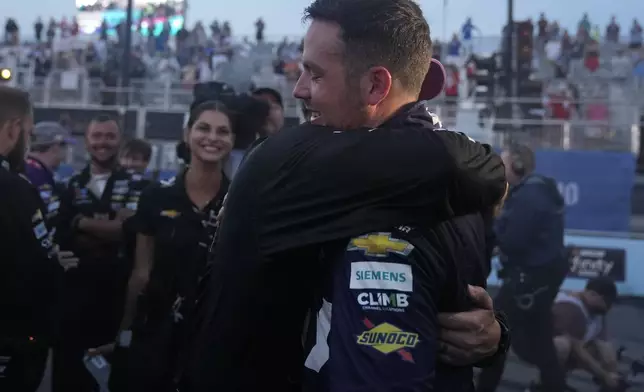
(469, 337)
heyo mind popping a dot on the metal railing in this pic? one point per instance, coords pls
(73, 91)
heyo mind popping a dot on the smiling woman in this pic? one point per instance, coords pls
(175, 225)
(209, 134)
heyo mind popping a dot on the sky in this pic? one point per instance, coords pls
(283, 17)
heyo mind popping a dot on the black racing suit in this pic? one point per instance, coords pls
(374, 324)
(94, 293)
(30, 278)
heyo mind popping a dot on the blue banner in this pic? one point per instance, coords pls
(596, 187)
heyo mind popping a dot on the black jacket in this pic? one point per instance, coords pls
(30, 275)
(530, 229)
(311, 185)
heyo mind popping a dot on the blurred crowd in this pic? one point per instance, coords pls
(190, 56)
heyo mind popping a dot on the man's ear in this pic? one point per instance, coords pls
(379, 83)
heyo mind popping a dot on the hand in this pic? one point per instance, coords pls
(469, 337)
(102, 350)
(612, 380)
(67, 259)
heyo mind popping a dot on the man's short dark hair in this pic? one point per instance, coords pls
(138, 147)
(523, 158)
(390, 33)
(13, 103)
(603, 286)
(41, 148)
(274, 94)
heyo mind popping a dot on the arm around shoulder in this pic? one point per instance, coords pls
(479, 181)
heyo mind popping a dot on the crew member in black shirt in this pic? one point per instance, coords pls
(30, 270)
(176, 221)
(94, 206)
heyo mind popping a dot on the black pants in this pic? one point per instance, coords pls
(89, 315)
(68, 370)
(22, 363)
(532, 333)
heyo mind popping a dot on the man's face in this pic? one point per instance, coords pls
(134, 162)
(275, 116)
(506, 157)
(102, 141)
(323, 85)
(59, 154)
(595, 302)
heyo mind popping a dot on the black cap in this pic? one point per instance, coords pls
(603, 286)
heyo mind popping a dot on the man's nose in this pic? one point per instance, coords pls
(301, 89)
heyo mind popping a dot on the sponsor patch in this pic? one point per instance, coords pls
(380, 245)
(382, 301)
(40, 230)
(381, 276)
(37, 217)
(53, 206)
(170, 213)
(387, 338)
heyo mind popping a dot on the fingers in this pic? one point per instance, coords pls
(465, 321)
(473, 321)
(104, 349)
(455, 321)
(480, 297)
(458, 339)
(67, 260)
(454, 355)
(459, 349)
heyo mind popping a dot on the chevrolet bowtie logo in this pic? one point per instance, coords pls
(380, 245)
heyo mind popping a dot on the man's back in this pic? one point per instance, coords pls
(530, 230)
(374, 325)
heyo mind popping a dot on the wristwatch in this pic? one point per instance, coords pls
(504, 342)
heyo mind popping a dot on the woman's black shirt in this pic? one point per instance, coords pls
(182, 235)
